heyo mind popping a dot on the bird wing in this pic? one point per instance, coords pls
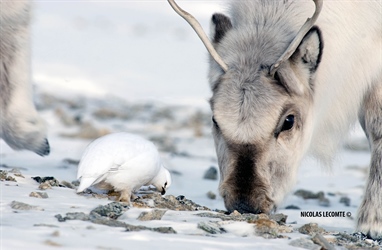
(94, 166)
(130, 156)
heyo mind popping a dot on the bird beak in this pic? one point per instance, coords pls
(163, 191)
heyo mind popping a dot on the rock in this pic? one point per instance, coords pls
(44, 186)
(266, 228)
(164, 230)
(345, 200)
(211, 195)
(67, 184)
(311, 229)
(324, 202)
(211, 173)
(53, 182)
(112, 210)
(304, 243)
(70, 161)
(279, 218)
(73, 216)
(211, 227)
(305, 194)
(179, 203)
(155, 214)
(251, 218)
(108, 113)
(41, 195)
(5, 177)
(285, 229)
(293, 207)
(320, 240)
(76, 183)
(23, 206)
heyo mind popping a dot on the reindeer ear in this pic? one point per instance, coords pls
(309, 51)
(220, 24)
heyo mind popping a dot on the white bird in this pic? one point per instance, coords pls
(123, 161)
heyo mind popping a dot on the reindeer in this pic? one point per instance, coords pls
(20, 125)
(281, 92)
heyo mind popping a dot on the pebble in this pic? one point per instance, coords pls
(320, 240)
(211, 195)
(211, 173)
(345, 200)
(155, 214)
(112, 210)
(267, 228)
(44, 186)
(211, 227)
(5, 177)
(294, 207)
(311, 229)
(305, 243)
(23, 206)
(41, 195)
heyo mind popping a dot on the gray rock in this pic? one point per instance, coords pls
(73, 216)
(306, 194)
(44, 186)
(23, 206)
(112, 210)
(155, 214)
(304, 243)
(345, 200)
(311, 229)
(5, 177)
(294, 207)
(211, 173)
(279, 218)
(41, 195)
(67, 184)
(324, 202)
(179, 203)
(320, 240)
(211, 227)
(234, 216)
(266, 228)
(50, 180)
(211, 195)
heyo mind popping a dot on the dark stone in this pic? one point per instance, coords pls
(293, 207)
(112, 210)
(211, 173)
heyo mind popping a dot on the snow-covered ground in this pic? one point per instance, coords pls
(108, 66)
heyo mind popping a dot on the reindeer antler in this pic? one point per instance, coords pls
(200, 32)
(297, 40)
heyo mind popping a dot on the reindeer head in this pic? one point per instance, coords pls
(261, 104)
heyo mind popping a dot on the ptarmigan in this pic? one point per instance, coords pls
(124, 162)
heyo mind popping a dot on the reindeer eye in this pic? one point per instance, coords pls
(215, 123)
(288, 123)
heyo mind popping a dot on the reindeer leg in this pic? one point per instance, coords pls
(370, 211)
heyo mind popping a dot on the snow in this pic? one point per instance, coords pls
(141, 52)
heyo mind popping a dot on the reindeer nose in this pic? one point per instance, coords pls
(44, 149)
(244, 207)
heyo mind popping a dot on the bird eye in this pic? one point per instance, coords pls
(165, 185)
(288, 123)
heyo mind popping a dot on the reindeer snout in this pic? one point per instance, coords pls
(44, 149)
